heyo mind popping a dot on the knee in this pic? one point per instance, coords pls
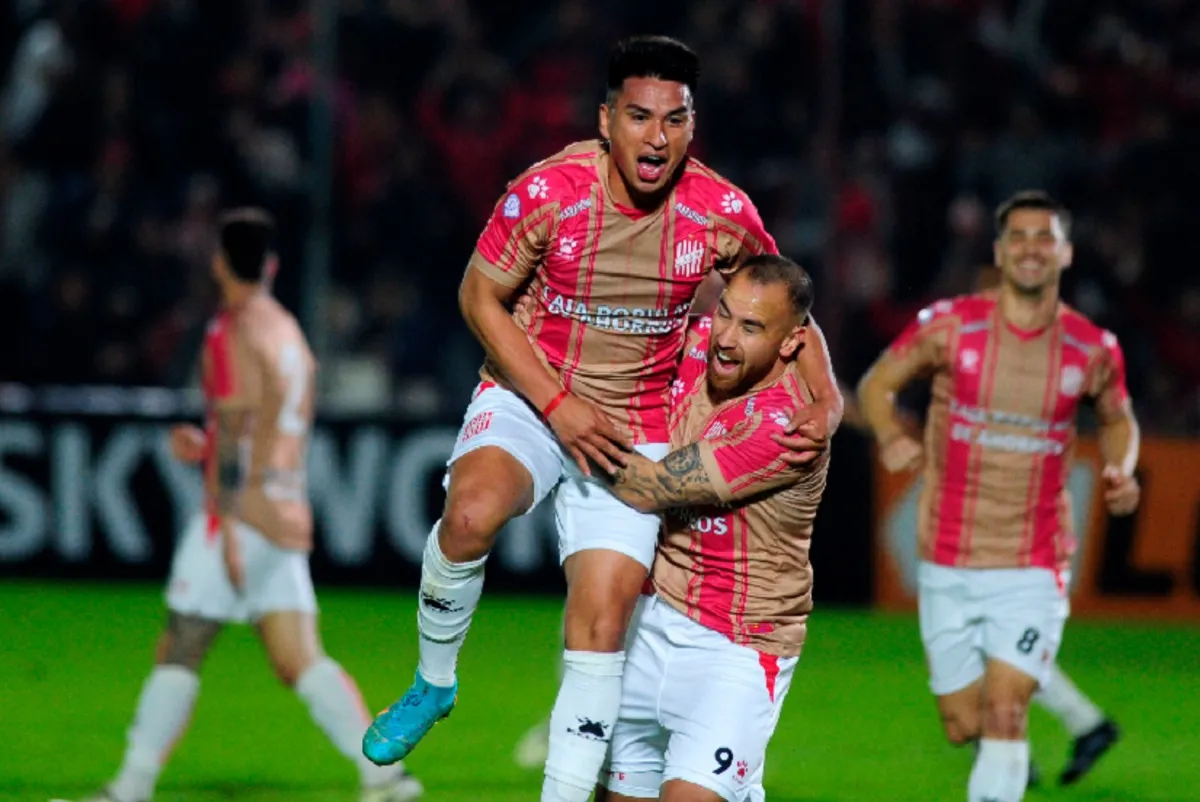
(289, 669)
(1005, 716)
(598, 624)
(470, 523)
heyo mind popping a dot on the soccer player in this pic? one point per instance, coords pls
(246, 558)
(715, 646)
(1010, 368)
(580, 289)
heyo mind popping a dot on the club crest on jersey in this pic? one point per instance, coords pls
(567, 246)
(689, 258)
(1071, 380)
(968, 361)
(780, 418)
(538, 189)
(512, 206)
(731, 203)
(715, 430)
(677, 388)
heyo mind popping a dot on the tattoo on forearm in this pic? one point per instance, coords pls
(679, 480)
(229, 462)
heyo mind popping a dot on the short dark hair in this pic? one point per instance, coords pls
(246, 238)
(1033, 199)
(770, 268)
(652, 57)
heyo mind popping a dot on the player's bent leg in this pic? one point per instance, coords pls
(1093, 732)
(164, 707)
(488, 487)
(962, 714)
(1001, 770)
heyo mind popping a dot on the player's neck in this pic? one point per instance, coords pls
(237, 294)
(1029, 311)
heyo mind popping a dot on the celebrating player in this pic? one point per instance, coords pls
(1009, 368)
(580, 290)
(712, 656)
(246, 559)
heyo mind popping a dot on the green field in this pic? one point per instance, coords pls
(858, 724)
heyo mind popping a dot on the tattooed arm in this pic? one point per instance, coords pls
(680, 480)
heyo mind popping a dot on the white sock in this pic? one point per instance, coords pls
(335, 704)
(163, 712)
(1001, 771)
(1078, 714)
(448, 597)
(581, 724)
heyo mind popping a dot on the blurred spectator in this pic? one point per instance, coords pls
(874, 136)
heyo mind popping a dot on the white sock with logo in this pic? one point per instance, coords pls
(1001, 771)
(448, 597)
(581, 724)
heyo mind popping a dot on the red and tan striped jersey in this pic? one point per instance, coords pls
(741, 568)
(256, 359)
(605, 291)
(1002, 428)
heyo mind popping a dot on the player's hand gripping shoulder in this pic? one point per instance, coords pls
(679, 480)
(587, 433)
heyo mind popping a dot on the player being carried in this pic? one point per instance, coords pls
(245, 558)
(715, 646)
(1010, 368)
(580, 289)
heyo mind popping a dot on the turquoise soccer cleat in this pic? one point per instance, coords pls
(396, 731)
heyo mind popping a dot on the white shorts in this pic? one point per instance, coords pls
(969, 616)
(695, 707)
(586, 514)
(277, 579)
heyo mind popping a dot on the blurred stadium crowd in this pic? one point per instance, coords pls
(874, 135)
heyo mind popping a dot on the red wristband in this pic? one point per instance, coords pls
(554, 402)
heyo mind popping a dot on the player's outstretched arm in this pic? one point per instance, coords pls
(679, 480)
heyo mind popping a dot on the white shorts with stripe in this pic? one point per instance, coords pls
(276, 579)
(587, 515)
(695, 707)
(971, 615)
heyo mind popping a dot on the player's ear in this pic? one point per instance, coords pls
(605, 114)
(1068, 255)
(996, 252)
(791, 343)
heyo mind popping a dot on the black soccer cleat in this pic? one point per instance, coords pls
(1089, 748)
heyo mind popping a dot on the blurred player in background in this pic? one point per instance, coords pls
(1010, 368)
(580, 290)
(246, 557)
(715, 646)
